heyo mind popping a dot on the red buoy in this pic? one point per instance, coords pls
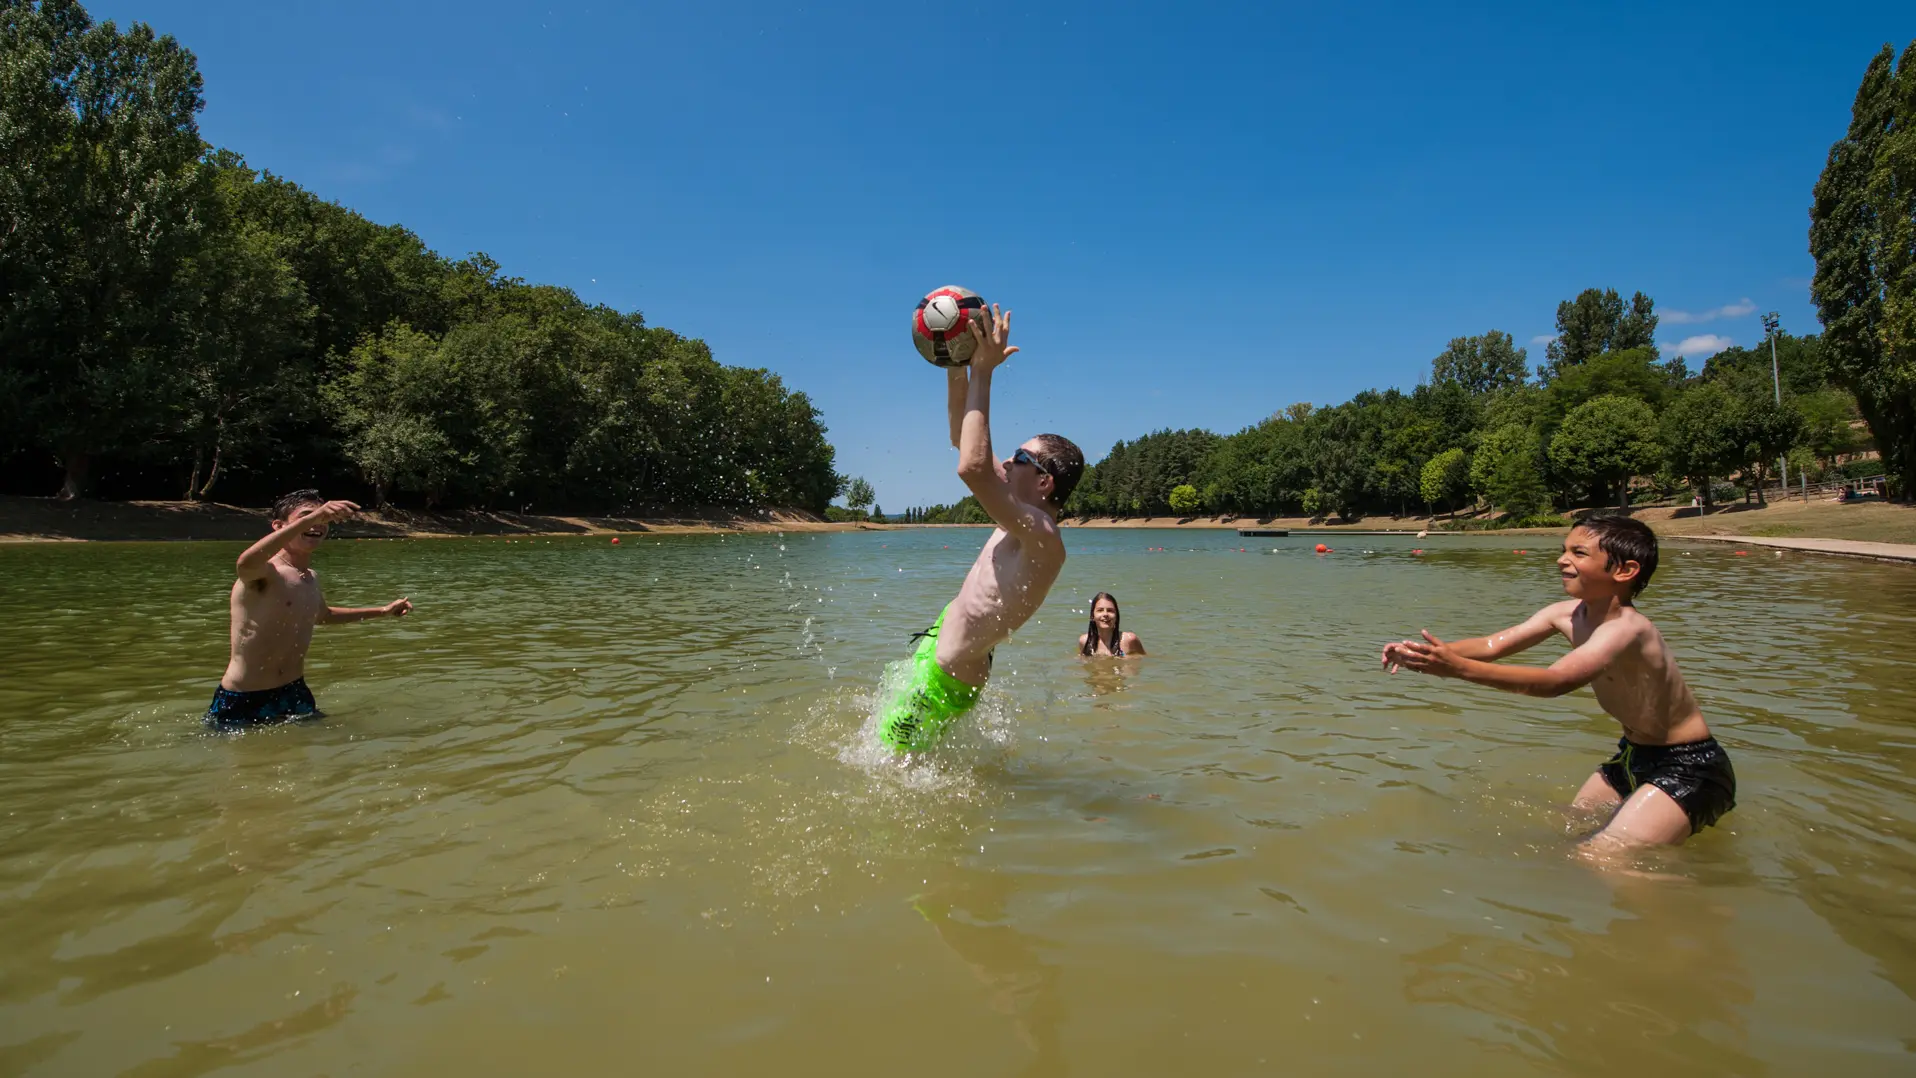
(615, 540)
(1322, 549)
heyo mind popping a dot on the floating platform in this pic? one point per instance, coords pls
(1276, 533)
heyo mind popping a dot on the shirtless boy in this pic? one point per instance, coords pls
(1669, 776)
(275, 604)
(1015, 570)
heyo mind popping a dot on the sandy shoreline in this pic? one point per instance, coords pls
(1872, 522)
(27, 520)
(44, 520)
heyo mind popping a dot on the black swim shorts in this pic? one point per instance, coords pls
(1697, 775)
(232, 710)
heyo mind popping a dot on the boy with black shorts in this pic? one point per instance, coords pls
(1669, 778)
(274, 605)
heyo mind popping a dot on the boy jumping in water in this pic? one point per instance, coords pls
(275, 604)
(1669, 776)
(1015, 570)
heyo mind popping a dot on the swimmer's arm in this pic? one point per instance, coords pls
(1566, 675)
(1534, 630)
(977, 466)
(346, 615)
(957, 388)
(1132, 645)
(253, 561)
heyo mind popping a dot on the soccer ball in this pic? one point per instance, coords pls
(939, 327)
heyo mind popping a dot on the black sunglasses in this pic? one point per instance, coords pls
(1023, 457)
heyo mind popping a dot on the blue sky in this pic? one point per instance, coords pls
(1199, 215)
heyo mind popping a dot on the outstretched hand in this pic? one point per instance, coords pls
(1428, 656)
(330, 512)
(992, 346)
(398, 608)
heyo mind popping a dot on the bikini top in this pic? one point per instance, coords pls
(1117, 645)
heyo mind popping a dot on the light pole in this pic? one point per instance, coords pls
(1771, 322)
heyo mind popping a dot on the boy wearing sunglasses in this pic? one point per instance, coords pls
(1013, 573)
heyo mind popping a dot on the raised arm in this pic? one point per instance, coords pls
(977, 466)
(252, 563)
(957, 389)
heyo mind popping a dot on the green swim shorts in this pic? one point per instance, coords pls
(928, 702)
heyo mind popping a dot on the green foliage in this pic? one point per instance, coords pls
(1766, 430)
(1506, 471)
(1701, 436)
(1184, 499)
(967, 511)
(172, 320)
(1607, 440)
(1136, 478)
(1829, 425)
(1596, 323)
(859, 495)
(1482, 364)
(1863, 238)
(102, 199)
(1445, 476)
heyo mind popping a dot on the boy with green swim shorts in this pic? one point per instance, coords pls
(1015, 570)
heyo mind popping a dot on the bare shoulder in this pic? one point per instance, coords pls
(1559, 614)
(1130, 640)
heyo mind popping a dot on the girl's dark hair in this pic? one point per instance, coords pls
(1622, 539)
(1091, 631)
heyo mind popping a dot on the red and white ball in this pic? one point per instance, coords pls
(940, 325)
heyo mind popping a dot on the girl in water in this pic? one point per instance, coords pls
(1104, 636)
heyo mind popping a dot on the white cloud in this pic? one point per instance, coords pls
(1542, 339)
(1742, 308)
(1705, 344)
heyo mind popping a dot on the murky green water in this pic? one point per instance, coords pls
(600, 809)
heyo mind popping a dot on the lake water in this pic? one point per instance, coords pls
(599, 809)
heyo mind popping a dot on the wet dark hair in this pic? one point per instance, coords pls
(283, 508)
(1091, 636)
(1058, 458)
(1622, 539)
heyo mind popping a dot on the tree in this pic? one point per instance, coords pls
(100, 185)
(1700, 435)
(1607, 440)
(1863, 238)
(859, 495)
(1595, 323)
(1829, 418)
(1505, 471)
(878, 513)
(1482, 364)
(1444, 477)
(1184, 499)
(1765, 430)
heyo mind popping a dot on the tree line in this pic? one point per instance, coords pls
(174, 323)
(1604, 420)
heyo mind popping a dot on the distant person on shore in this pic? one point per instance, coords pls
(275, 603)
(1105, 635)
(1013, 573)
(1669, 778)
